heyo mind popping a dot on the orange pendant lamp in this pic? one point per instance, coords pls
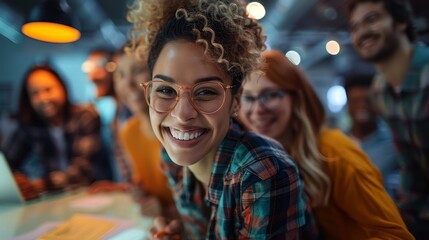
(51, 21)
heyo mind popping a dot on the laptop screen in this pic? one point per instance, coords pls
(9, 191)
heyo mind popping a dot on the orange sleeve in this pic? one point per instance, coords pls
(358, 194)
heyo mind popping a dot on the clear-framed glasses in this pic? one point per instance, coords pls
(206, 97)
(268, 100)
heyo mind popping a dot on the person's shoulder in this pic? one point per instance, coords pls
(130, 125)
(333, 143)
(422, 49)
(260, 156)
(341, 151)
(332, 137)
(83, 113)
(83, 108)
(383, 131)
(130, 131)
(258, 146)
(422, 64)
(420, 61)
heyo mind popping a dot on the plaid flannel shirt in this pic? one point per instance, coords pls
(406, 110)
(254, 192)
(83, 145)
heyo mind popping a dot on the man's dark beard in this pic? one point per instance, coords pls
(390, 45)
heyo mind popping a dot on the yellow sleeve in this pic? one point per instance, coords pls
(358, 191)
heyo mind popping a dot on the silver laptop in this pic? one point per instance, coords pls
(9, 191)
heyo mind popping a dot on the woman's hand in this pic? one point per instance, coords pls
(166, 229)
(149, 206)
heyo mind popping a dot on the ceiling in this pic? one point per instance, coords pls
(302, 25)
(283, 16)
(288, 23)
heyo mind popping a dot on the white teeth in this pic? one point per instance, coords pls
(185, 135)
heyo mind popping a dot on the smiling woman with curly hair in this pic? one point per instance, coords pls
(228, 183)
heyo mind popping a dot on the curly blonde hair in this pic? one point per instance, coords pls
(229, 37)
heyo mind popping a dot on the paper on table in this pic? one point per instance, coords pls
(80, 226)
(121, 226)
